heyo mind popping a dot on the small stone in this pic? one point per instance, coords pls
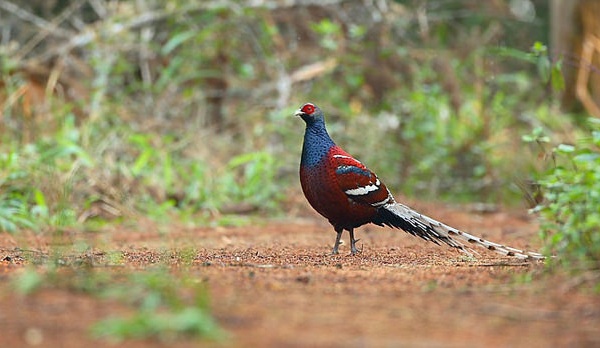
(305, 279)
(34, 336)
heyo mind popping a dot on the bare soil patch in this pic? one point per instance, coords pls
(274, 284)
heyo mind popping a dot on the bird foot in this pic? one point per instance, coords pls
(338, 241)
(353, 249)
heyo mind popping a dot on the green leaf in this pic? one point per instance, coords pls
(176, 41)
(587, 157)
(565, 148)
(140, 163)
(28, 281)
(544, 69)
(539, 48)
(557, 78)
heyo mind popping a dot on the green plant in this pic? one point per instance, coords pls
(329, 32)
(250, 178)
(28, 281)
(22, 203)
(538, 55)
(161, 304)
(14, 214)
(161, 309)
(189, 321)
(570, 212)
(30, 174)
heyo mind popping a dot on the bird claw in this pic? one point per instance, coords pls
(353, 249)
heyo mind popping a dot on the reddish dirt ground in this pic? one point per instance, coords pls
(274, 284)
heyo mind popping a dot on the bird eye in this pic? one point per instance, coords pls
(308, 108)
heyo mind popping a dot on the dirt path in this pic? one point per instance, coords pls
(274, 285)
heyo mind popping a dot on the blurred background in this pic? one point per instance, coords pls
(112, 110)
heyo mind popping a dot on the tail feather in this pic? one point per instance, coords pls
(400, 216)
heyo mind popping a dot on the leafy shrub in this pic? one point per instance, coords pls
(13, 214)
(570, 212)
(36, 180)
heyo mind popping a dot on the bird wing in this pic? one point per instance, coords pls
(359, 183)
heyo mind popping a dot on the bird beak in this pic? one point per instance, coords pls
(298, 113)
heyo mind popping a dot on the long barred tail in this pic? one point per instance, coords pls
(400, 216)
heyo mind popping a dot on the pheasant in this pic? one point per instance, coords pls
(349, 195)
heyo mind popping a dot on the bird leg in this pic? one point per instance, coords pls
(353, 241)
(339, 232)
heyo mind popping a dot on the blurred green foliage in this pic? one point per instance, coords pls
(160, 304)
(571, 206)
(163, 309)
(184, 109)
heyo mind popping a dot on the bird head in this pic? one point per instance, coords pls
(310, 113)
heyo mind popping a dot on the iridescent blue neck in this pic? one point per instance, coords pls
(317, 143)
